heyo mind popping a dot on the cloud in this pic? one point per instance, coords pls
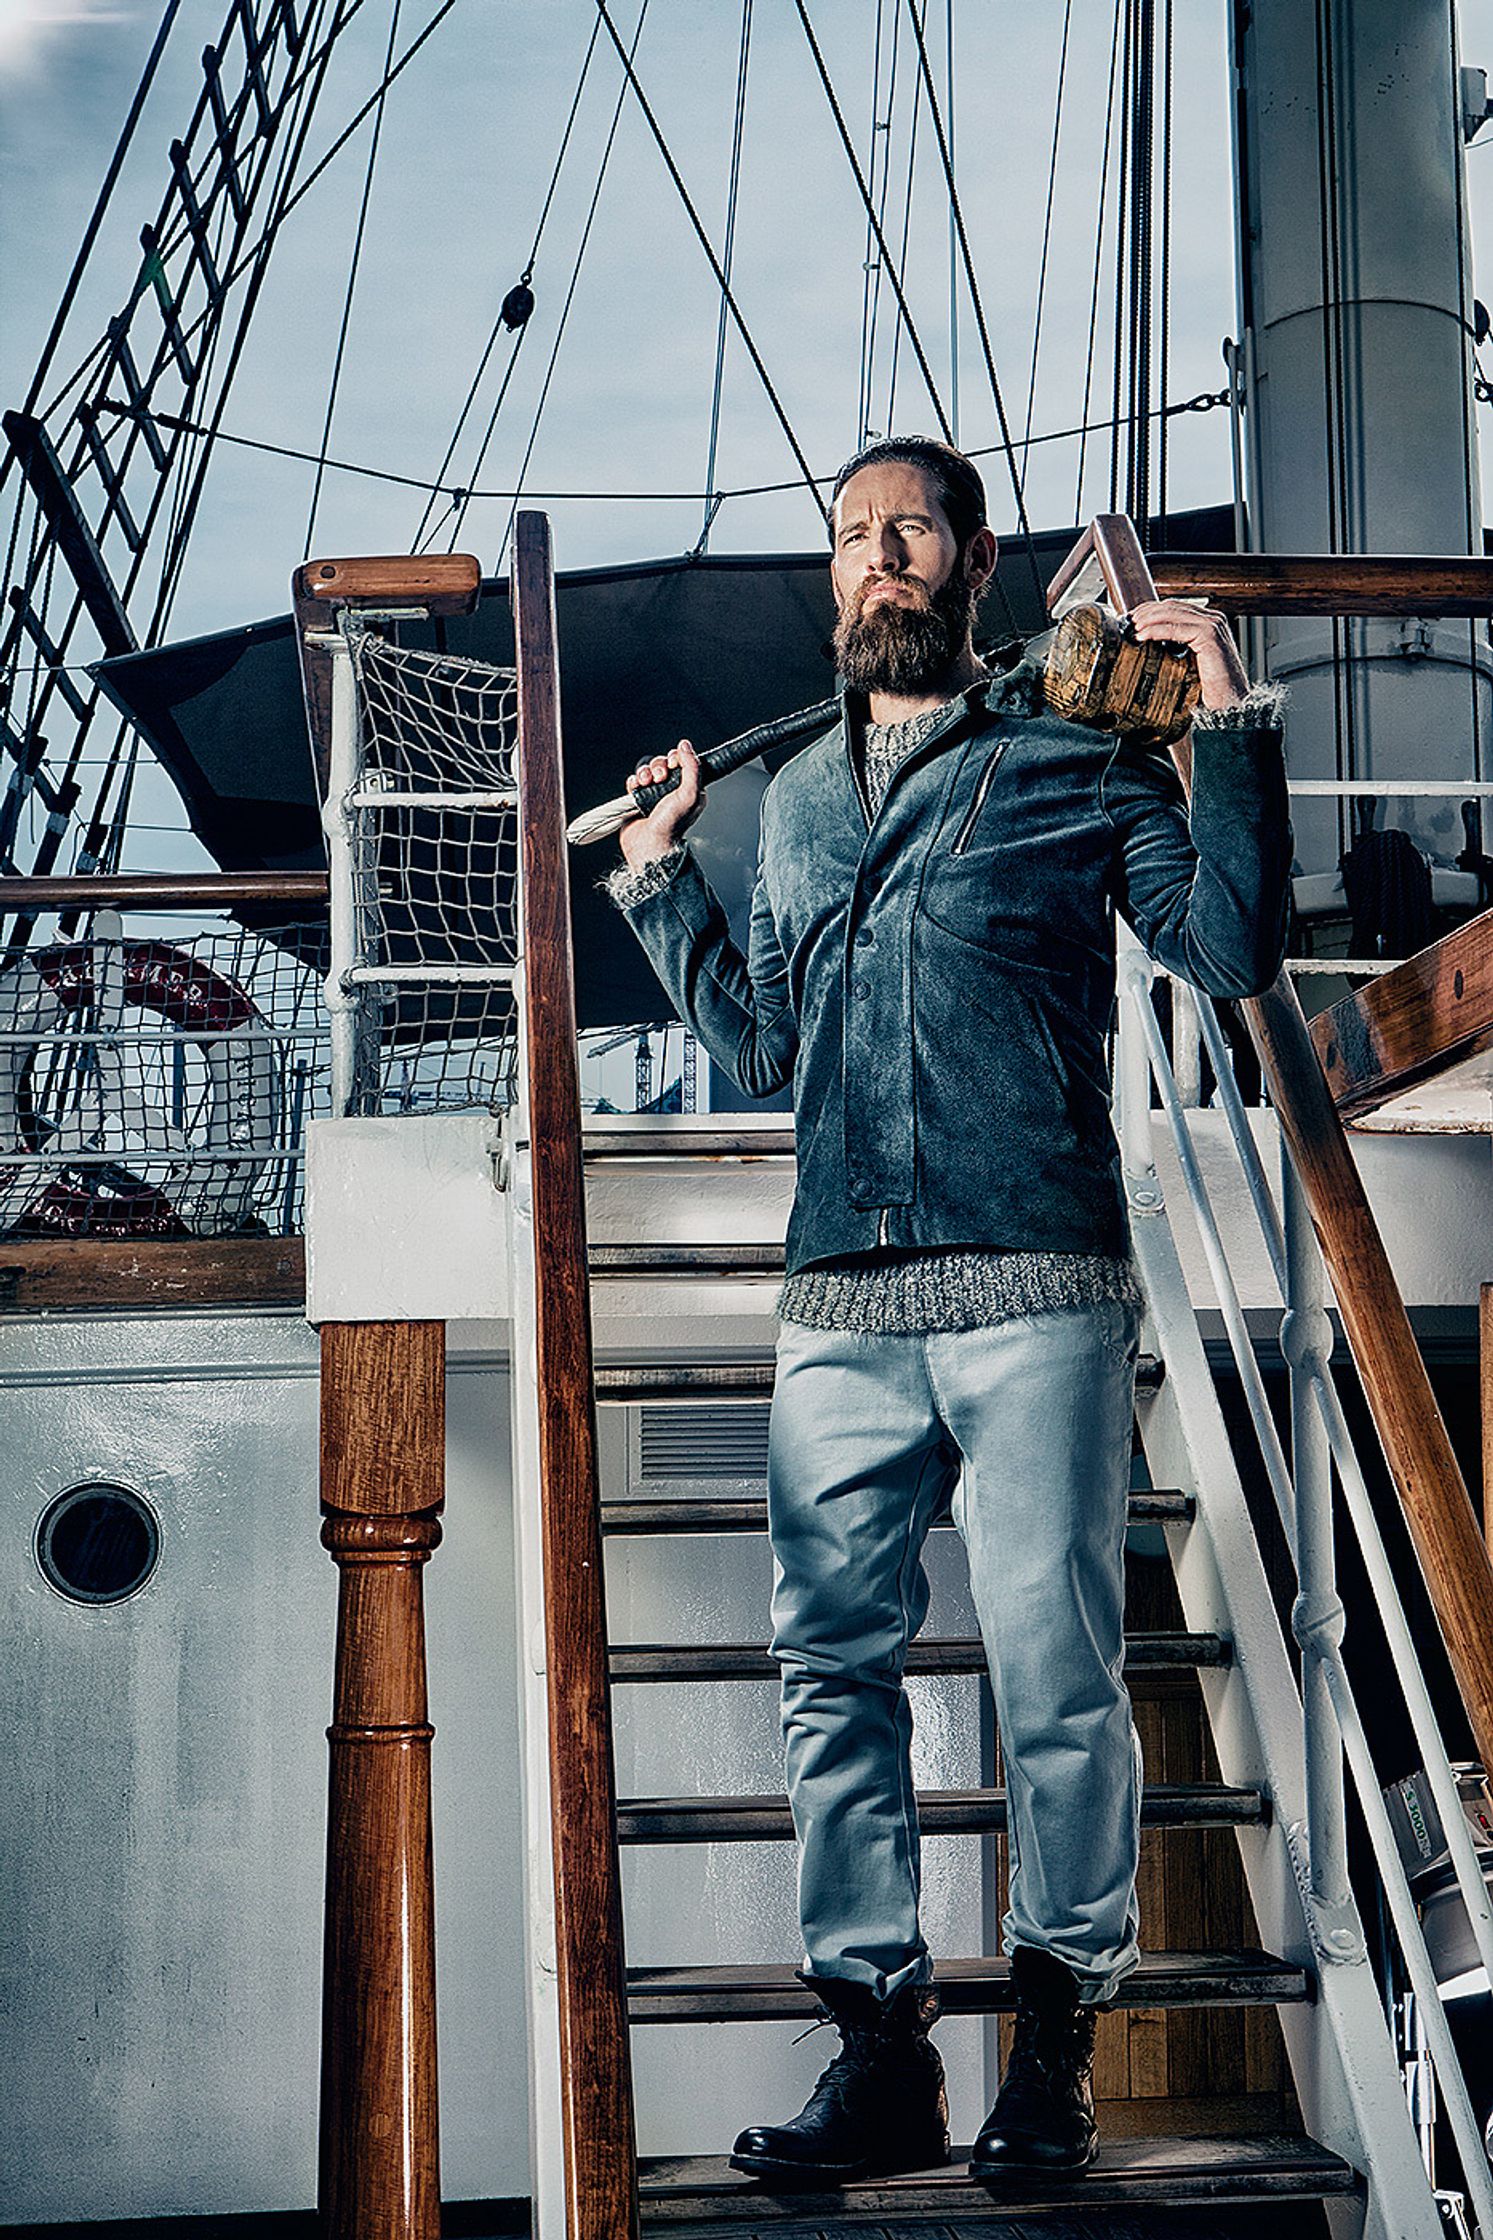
(24, 25)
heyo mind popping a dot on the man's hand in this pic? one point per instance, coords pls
(645, 839)
(1221, 673)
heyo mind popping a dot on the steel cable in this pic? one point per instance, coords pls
(497, 325)
(704, 240)
(972, 283)
(352, 275)
(727, 246)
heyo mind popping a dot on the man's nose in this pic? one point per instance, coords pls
(888, 552)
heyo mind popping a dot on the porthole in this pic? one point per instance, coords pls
(98, 1543)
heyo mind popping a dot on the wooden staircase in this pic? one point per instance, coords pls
(586, 2005)
(1205, 2169)
(1242, 1796)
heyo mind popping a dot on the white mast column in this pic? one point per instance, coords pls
(1359, 416)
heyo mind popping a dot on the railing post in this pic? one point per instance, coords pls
(596, 2077)
(382, 1460)
(1317, 1618)
(1453, 1556)
(342, 774)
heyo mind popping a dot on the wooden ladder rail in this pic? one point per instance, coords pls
(601, 2192)
(1453, 1556)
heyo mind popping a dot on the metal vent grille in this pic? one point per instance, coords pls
(702, 1442)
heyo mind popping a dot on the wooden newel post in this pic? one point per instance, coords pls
(382, 1485)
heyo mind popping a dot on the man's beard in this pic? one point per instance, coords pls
(894, 647)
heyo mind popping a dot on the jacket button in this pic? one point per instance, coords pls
(865, 937)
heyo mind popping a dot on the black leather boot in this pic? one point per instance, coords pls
(1043, 2118)
(879, 2106)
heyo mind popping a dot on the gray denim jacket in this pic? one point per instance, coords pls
(938, 981)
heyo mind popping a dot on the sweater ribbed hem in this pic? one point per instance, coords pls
(1262, 706)
(921, 1294)
(627, 888)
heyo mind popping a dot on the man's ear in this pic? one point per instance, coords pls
(980, 556)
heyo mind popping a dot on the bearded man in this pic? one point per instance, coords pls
(931, 962)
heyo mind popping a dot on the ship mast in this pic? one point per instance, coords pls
(1356, 325)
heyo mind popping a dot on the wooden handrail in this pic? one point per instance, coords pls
(1438, 1510)
(436, 583)
(1308, 583)
(596, 2079)
(167, 890)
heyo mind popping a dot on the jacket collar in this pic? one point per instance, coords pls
(1015, 689)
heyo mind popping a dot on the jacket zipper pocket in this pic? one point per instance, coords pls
(972, 816)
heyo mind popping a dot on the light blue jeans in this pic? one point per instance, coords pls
(1029, 1421)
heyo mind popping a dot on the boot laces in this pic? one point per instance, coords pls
(1049, 2047)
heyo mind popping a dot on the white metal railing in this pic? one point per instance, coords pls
(157, 1084)
(1332, 1728)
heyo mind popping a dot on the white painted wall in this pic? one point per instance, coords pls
(163, 1812)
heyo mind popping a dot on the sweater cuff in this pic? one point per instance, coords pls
(1262, 706)
(627, 888)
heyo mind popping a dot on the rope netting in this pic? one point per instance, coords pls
(433, 823)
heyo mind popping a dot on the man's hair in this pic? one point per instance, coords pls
(956, 479)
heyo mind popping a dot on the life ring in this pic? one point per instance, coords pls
(205, 1189)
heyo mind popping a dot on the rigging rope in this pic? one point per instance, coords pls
(317, 62)
(715, 264)
(1164, 336)
(948, 19)
(1206, 401)
(425, 522)
(90, 231)
(972, 283)
(881, 128)
(727, 246)
(549, 375)
(883, 251)
(1122, 251)
(1088, 373)
(912, 163)
(1334, 341)
(1052, 178)
(352, 277)
(191, 497)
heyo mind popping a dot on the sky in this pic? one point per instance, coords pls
(468, 148)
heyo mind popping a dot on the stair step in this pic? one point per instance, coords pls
(685, 2194)
(627, 1383)
(940, 1812)
(982, 1986)
(686, 1259)
(684, 1380)
(1144, 1652)
(1161, 1505)
(627, 1138)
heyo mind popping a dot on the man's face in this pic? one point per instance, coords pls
(903, 590)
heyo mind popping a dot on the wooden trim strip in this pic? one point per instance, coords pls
(1430, 1012)
(1445, 584)
(596, 2077)
(168, 890)
(86, 1275)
